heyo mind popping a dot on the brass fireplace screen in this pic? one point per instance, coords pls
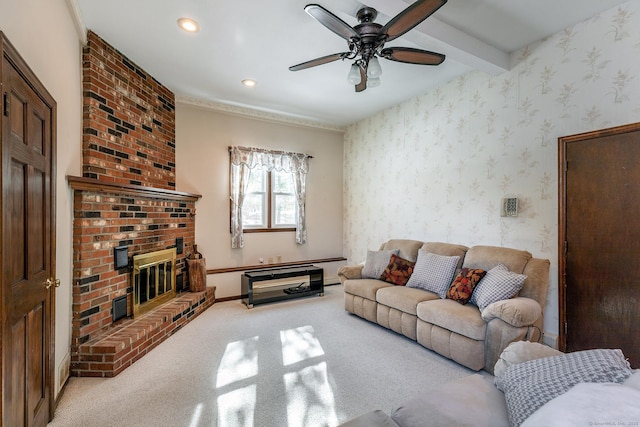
(154, 278)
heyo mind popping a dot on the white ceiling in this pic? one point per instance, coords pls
(260, 39)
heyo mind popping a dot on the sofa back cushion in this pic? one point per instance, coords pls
(407, 249)
(447, 249)
(487, 257)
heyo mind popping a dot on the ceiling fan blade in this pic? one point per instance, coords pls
(363, 81)
(319, 61)
(409, 18)
(412, 56)
(331, 21)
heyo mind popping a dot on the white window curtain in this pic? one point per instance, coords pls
(242, 161)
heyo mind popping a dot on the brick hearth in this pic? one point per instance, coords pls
(110, 353)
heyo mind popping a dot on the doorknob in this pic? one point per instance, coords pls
(52, 282)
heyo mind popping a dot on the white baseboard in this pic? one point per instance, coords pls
(550, 339)
(63, 373)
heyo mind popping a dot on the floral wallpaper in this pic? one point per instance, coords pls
(435, 168)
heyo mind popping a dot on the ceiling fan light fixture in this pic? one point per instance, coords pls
(374, 69)
(373, 82)
(188, 25)
(354, 74)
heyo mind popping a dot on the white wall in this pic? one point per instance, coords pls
(450, 155)
(44, 34)
(202, 167)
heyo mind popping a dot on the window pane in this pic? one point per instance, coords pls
(253, 210)
(257, 180)
(285, 209)
(283, 182)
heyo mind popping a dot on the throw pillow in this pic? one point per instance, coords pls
(398, 271)
(464, 284)
(529, 385)
(433, 272)
(376, 262)
(589, 404)
(498, 284)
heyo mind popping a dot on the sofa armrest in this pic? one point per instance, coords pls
(517, 312)
(348, 272)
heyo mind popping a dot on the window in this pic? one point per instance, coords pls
(267, 192)
(270, 201)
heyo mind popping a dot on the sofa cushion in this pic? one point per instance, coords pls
(487, 257)
(433, 272)
(498, 284)
(365, 288)
(403, 298)
(464, 284)
(448, 314)
(470, 401)
(375, 418)
(446, 249)
(376, 262)
(408, 249)
(398, 271)
(529, 385)
(521, 351)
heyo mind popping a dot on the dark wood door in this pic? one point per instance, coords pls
(28, 127)
(600, 238)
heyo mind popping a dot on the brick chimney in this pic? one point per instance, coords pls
(126, 195)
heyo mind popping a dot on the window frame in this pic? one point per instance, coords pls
(270, 209)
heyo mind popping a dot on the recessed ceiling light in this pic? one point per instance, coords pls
(249, 82)
(188, 25)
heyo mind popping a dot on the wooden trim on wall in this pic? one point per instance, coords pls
(280, 264)
(99, 186)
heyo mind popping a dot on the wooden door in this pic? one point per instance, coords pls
(28, 244)
(600, 241)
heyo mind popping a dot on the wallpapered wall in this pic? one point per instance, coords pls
(435, 168)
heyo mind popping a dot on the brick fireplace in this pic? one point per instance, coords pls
(126, 199)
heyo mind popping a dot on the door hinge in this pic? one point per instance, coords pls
(566, 247)
(7, 104)
(566, 327)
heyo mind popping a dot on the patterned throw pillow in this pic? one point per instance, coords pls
(498, 284)
(433, 272)
(398, 271)
(529, 385)
(376, 262)
(464, 284)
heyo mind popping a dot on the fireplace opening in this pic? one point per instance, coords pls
(154, 278)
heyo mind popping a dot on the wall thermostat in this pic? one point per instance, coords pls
(509, 206)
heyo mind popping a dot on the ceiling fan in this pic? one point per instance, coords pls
(366, 41)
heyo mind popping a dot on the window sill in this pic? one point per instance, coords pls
(268, 230)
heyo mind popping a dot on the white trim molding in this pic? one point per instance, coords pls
(78, 21)
(258, 114)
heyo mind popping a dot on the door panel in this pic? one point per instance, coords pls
(601, 226)
(27, 239)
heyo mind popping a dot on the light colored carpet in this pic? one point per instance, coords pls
(297, 363)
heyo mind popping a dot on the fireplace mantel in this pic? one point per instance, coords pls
(100, 186)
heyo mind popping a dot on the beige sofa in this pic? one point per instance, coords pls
(459, 332)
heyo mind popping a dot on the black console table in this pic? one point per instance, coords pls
(275, 284)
